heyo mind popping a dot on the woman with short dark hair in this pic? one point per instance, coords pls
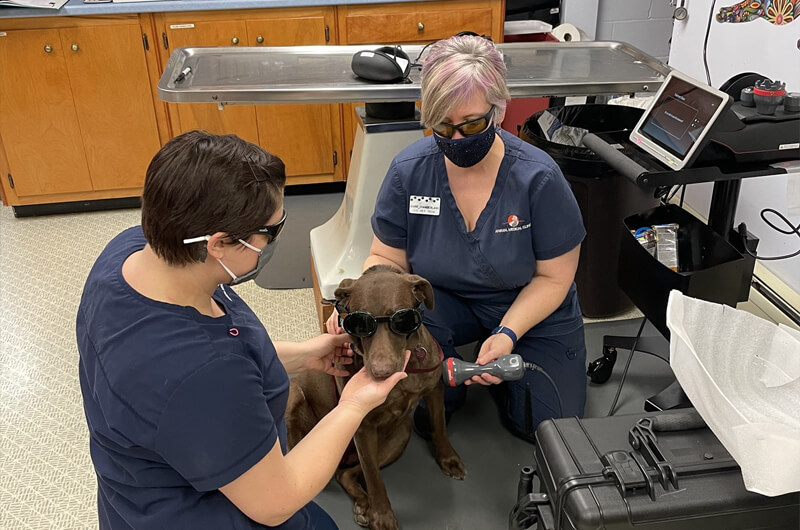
(184, 391)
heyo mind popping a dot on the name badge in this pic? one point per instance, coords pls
(421, 205)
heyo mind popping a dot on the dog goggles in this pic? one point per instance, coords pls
(363, 324)
(466, 128)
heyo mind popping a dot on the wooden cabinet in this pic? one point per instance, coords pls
(420, 22)
(183, 31)
(306, 137)
(410, 23)
(77, 116)
(80, 117)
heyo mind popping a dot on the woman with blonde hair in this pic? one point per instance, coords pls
(492, 223)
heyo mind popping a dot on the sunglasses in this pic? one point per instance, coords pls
(467, 128)
(272, 231)
(363, 324)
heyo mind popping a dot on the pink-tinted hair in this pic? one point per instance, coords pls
(457, 68)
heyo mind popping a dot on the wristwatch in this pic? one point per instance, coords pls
(508, 332)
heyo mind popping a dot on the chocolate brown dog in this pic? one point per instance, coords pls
(381, 291)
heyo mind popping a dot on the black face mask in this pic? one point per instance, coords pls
(468, 151)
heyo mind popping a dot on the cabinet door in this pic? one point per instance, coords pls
(421, 23)
(233, 119)
(109, 81)
(37, 117)
(306, 137)
(413, 22)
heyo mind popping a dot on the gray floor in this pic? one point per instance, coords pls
(47, 480)
(290, 267)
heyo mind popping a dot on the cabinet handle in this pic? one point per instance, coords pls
(420, 26)
(48, 48)
(74, 47)
(260, 39)
(235, 40)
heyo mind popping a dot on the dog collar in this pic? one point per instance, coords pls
(421, 353)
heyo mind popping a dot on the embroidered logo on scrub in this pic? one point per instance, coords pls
(422, 205)
(513, 224)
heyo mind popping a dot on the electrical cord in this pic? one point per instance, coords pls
(675, 192)
(416, 62)
(792, 230)
(705, 41)
(627, 365)
(536, 368)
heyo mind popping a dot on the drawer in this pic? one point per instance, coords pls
(413, 22)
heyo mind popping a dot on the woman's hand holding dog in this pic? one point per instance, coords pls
(332, 324)
(322, 353)
(365, 393)
(333, 328)
(326, 351)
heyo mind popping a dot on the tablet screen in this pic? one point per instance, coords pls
(680, 116)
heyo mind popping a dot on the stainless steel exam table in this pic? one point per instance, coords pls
(322, 74)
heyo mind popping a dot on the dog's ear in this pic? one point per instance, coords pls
(422, 289)
(342, 293)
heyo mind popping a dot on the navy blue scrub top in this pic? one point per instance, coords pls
(178, 404)
(531, 215)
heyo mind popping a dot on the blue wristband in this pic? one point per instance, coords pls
(507, 332)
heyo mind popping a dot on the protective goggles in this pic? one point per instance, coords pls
(467, 128)
(363, 324)
(273, 231)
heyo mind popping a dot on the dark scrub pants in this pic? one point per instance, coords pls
(523, 404)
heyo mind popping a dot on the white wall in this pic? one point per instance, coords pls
(581, 14)
(764, 48)
(755, 46)
(644, 24)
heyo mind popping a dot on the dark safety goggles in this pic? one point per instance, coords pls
(467, 128)
(273, 231)
(363, 324)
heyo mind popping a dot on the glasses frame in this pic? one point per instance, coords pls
(450, 129)
(273, 231)
(378, 320)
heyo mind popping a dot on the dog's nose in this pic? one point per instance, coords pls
(381, 370)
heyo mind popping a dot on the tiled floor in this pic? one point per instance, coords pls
(47, 480)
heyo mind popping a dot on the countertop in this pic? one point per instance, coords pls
(78, 8)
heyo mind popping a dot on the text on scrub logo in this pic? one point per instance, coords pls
(513, 224)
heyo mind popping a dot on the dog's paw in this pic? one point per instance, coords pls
(360, 510)
(382, 520)
(452, 466)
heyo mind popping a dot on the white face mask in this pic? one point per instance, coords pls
(264, 255)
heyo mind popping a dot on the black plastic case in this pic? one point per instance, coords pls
(682, 479)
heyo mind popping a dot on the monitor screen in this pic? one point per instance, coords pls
(681, 114)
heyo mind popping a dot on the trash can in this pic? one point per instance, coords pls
(604, 196)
